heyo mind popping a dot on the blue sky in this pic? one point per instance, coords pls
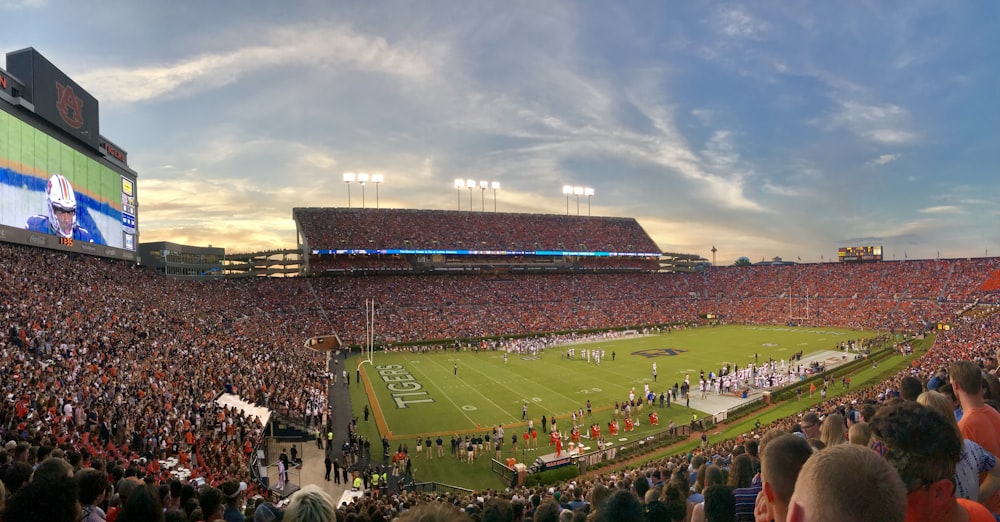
(762, 128)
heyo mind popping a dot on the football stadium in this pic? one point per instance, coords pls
(417, 359)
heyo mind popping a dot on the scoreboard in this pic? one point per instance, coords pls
(860, 253)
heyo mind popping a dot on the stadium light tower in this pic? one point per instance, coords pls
(377, 179)
(589, 192)
(470, 184)
(578, 191)
(483, 185)
(362, 178)
(567, 189)
(349, 178)
(459, 185)
(495, 185)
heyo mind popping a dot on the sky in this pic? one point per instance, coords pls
(763, 129)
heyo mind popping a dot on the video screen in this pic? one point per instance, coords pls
(48, 187)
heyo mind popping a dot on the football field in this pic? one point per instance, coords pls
(444, 392)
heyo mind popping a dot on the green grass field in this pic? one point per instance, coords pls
(486, 391)
(447, 392)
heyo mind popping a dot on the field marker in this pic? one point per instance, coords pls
(447, 397)
(485, 397)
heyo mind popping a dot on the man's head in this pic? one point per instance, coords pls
(622, 505)
(232, 490)
(92, 485)
(847, 483)
(910, 388)
(780, 464)
(211, 500)
(52, 468)
(61, 200)
(924, 447)
(810, 425)
(966, 376)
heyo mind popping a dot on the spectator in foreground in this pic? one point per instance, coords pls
(233, 490)
(211, 501)
(980, 422)
(847, 483)
(622, 505)
(92, 486)
(310, 504)
(50, 500)
(720, 504)
(143, 505)
(974, 460)
(924, 448)
(780, 464)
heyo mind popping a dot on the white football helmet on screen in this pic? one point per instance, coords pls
(62, 205)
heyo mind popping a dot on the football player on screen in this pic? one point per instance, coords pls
(61, 219)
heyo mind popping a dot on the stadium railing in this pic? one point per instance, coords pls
(507, 475)
(647, 443)
(430, 487)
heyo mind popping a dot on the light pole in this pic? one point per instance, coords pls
(348, 179)
(459, 185)
(470, 184)
(578, 191)
(377, 179)
(567, 189)
(589, 192)
(362, 178)
(495, 185)
(483, 185)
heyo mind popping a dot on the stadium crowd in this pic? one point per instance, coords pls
(359, 228)
(102, 359)
(108, 368)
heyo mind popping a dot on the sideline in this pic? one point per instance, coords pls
(380, 424)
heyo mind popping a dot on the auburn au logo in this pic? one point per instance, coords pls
(658, 352)
(69, 105)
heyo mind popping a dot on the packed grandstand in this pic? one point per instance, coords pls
(113, 363)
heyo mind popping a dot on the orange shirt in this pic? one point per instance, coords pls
(977, 511)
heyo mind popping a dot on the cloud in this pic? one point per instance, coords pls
(881, 124)
(736, 22)
(704, 116)
(18, 5)
(941, 209)
(885, 159)
(321, 45)
(782, 190)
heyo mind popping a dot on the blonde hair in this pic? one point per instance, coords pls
(833, 431)
(311, 504)
(942, 404)
(860, 434)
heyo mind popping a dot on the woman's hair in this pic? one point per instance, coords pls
(833, 431)
(861, 434)
(310, 504)
(741, 472)
(940, 403)
(720, 504)
(142, 505)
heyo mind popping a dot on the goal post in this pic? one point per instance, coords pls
(368, 346)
